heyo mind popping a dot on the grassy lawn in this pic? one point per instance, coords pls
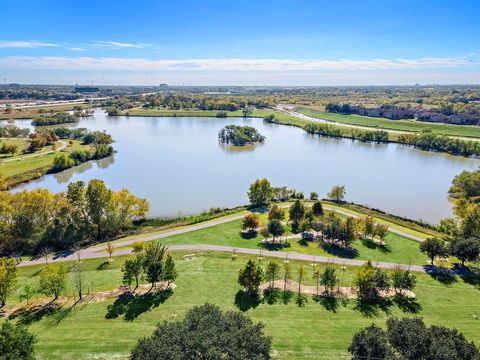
(309, 332)
(30, 112)
(403, 125)
(398, 249)
(33, 167)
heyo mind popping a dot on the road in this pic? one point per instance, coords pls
(63, 145)
(99, 250)
(286, 109)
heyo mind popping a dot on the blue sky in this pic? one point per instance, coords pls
(242, 42)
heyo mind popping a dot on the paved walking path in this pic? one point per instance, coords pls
(99, 250)
(63, 145)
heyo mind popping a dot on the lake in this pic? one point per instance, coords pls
(179, 166)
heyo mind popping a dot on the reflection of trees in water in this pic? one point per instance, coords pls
(238, 149)
(66, 175)
(105, 162)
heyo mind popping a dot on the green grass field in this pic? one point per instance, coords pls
(402, 125)
(25, 169)
(398, 249)
(309, 332)
(30, 112)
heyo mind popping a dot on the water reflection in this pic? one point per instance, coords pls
(178, 165)
(239, 149)
(66, 176)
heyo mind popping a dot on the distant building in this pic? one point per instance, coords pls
(163, 86)
(86, 89)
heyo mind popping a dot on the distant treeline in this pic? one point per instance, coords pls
(60, 118)
(424, 140)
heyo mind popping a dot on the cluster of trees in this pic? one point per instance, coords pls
(55, 119)
(411, 339)
(8, 148)
(11, 131)
(66, 161)
(39, 140)
(206, 332)
(203, 102)
(16, 342)
(377, 136)
(371, 282)
(239, 135)
(426, 140)
(33, 220)
(461, 236)
(151, 263)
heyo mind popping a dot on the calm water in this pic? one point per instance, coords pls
(178, 165)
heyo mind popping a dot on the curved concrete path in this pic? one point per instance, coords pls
(98, 251)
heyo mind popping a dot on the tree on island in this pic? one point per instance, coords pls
(239, 135)
(206, 332)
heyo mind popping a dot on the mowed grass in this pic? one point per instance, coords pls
(30, 112)
(398, 249)
(402, 125)
(309, 332)
(39, 163)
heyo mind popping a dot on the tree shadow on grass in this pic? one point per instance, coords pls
(275, 246)
(407, 304)
(445, 276)
(104, 265)
(330, 303)
(471, 276)
(245, 301)
(29, 315)
(370, 244)
(348, 252)
(251, 234)
(371, 307)
(131, 306)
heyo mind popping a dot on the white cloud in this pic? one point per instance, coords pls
(265, 65)
(116, 44)
(76, 48)
(25, 44)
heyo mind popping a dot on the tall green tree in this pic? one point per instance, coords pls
(317, 209)
(250, 277)
(16, 342)
(433, 247)
(276, 212)
(206, 333)
(133, 269)
(329, 279)
(53, 280)
(99, 199)
(8, 278)
(271, 273)
(337, 193)
(153, 263)
(296, 212)
(170, 271)
(260, 193)
(465, 249)
(275, 228)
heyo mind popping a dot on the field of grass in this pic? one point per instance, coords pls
(398, 249)
(314, 331)
(29, 168)
(30, 112)
(402, 125)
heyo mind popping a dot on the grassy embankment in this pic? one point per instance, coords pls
(23, 168)
(400, 125)
(31, 112)
(315, 331)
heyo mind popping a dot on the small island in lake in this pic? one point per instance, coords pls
(240, 135)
